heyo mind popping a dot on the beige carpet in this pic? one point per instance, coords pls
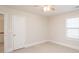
(1, 47)
(46, 48)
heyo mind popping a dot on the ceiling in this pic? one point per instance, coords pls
(38, 10)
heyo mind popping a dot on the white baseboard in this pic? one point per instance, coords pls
(8, 51)
(60, 43)
(35, 43)
(67, 45)
(28, 45)
(40, 42)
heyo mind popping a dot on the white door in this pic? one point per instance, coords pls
(18, 31)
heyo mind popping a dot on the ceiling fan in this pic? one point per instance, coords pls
(46, 8)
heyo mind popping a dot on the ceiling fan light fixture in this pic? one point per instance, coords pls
(48, 8)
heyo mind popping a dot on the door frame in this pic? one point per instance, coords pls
(5, 15)
(7, 33)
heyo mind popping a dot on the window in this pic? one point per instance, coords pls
(72, 28)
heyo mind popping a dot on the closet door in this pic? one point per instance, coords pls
(18, 31)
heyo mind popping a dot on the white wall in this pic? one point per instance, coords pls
(58, 31)
(1, 29)
(37, 27)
